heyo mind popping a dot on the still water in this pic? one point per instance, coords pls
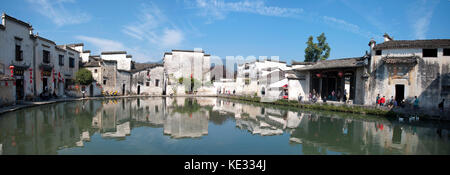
(208, 126)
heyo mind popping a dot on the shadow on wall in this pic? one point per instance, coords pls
(436, 91)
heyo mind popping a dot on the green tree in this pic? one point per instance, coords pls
(317, 51)
(84, 77)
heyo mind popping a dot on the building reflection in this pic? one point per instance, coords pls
(49, 128)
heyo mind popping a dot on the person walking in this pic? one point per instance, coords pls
(391, 102)
(382, 101)
(378, 100)
(345, 96)
(416, 103)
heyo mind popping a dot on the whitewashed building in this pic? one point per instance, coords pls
(184, 65)
(147, 79)
(16, 55)
(35, 63)
(252, 78)
(407, 68)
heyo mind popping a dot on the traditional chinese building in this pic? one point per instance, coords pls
(407, 68)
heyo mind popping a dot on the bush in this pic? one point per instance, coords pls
(84, 77)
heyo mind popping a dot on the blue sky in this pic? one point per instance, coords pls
(147, 29)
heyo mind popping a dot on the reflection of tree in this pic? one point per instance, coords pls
(216, 118)
(190, 106)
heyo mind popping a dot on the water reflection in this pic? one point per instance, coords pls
(51, 128)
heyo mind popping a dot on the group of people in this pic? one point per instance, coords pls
(381, 101)
(47, 94)
(229, 92)
(314, 96)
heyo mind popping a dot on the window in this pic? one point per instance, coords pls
(61, 60)
(45, 56)
(156, 82)
(378, 52)
(19, 56)
(247, 81)
(147, 83)
(95, 70)
(71, 62)
(148, 73)
(446, 51)
(104, 82)
(429, 52)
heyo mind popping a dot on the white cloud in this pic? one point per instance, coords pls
(171, 38)
(344, 25)
(149, 27)
(57, 13)
(139, 54)
(420, 15)
(102, 44)
(218, 9)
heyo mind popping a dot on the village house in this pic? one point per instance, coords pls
(408, 68)
(16, 58)
(147, 79)
(258, 77)
(184, 65)
(137, 79)
(341, 76)
(35, 63)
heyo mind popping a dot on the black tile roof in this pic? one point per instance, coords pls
(336, 63)
(46, 40)
(114, 52)
(399, 60)
(142, 66)
(75, 44)
(16, 20)
(404, 44)
(91, 64)
(301, 63)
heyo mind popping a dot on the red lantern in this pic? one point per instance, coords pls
(318, 75)
(11, 67)
(340, 74)
(31, 81)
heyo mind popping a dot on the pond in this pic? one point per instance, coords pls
(158, 125)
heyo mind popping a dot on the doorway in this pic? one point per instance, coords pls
(44, 85)
(123, 89)
(139, 90)
(19, 89)
(91, 90)
(399, 92)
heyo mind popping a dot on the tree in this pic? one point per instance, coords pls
(317, 51)
(84, 77)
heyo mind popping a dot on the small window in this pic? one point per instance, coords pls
(429, 52)
(378, 52)
(61, 60)
(19, 55)
(71, 62)
(147, 83)
(46, 56)
(104, 82)
(95, 70)
(446, 51)
(156, 82)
